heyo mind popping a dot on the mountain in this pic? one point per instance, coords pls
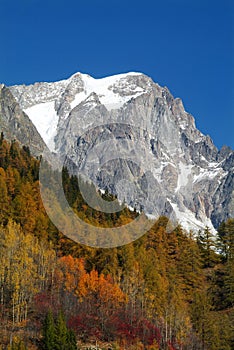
(132, 137)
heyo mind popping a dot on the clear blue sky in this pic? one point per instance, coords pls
(185, 45)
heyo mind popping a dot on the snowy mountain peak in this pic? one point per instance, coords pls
(108, 80)
(187, 176)
(47, 104)
(112, 91)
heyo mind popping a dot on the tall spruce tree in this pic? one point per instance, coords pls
(61, 333)
(206, 243)
(48, 332)
(226, 239)
(71, 340)
(226, 246)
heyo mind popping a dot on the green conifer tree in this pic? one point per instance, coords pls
(49, 332)
(71, 340)
(206, 244)
(61, 333)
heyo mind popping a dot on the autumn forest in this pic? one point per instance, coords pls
(169, 289)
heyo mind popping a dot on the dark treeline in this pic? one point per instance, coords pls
(167, 290)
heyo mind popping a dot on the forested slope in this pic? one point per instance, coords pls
(167, 290)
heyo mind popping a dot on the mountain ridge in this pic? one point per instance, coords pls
(173, 167)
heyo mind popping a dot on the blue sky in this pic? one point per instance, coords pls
(185, 45)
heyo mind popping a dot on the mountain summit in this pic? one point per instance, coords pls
(47, 104)
(132, 137)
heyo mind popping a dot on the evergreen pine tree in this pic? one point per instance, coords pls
(206, 244)
(226, 246)
(49, 332)
(61, 333)
(71, 340)
(226, 239)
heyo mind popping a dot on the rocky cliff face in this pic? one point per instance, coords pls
(15, 124)
(132, 137)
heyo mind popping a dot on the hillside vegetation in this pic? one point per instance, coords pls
(167, 290)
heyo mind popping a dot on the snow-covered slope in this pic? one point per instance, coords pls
(105, 90)
(131, 136)
(44, 102)
(45, 118)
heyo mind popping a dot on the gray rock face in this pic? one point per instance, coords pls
(132, 137)
(15, 124)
